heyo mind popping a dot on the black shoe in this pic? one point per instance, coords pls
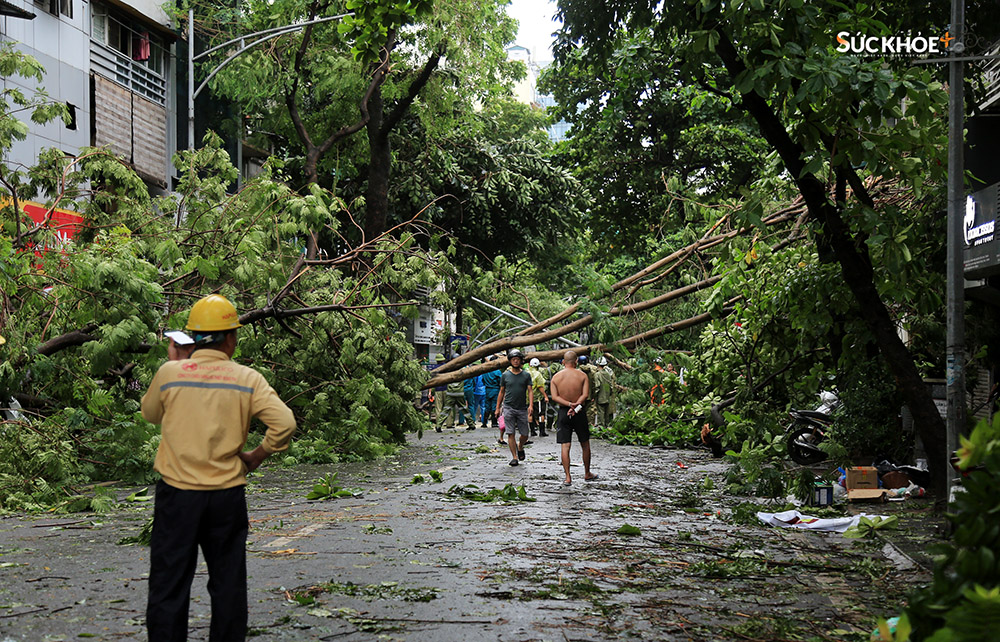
(520, 455)
(534, 433)
(471, 427)
(437, 430)
(528, 442)
(542, 433)
(513, 462)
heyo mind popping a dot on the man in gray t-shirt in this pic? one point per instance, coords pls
(516, 398)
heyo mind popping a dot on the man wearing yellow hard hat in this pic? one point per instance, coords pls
(204, 404)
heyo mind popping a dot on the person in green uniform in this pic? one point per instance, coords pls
(537, 424)
(584, 365)
(604, 381)
(552, 409)
(454, 405)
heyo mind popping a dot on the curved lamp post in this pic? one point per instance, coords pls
(261, 36)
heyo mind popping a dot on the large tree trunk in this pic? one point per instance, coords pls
(379, 168)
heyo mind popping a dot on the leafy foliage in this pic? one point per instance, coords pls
(868, 526)
(868, 423)
(629, 530)
(963, 601)
(326, 487)
(346, 371)
(507, 495)
(649, 426)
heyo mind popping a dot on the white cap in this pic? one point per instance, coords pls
(179, 337)
(534, 363)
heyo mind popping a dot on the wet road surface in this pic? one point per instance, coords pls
(407, 561)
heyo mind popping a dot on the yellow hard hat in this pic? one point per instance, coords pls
(213, 313)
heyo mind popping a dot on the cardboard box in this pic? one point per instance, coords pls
(860, 477)
(867, 495)
(895, 479)
(822, 494)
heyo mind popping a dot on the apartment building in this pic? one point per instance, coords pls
(111, 63)
(526, 90)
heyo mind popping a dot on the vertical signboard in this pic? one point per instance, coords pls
(982, 252)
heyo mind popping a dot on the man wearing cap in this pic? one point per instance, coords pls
(204, 405)
(516, 399)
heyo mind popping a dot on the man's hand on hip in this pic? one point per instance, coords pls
(253, 458)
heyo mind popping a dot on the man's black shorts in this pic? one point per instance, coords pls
(566, 426)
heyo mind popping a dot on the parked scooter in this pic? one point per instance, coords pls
(808, 430)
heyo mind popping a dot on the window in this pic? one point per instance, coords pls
(56, 7)
(126, 37)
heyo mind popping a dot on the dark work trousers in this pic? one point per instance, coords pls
(491, 408)
(183, 520)
(538, 414)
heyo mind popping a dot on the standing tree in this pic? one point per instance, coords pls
(309, 93)
(836, 124)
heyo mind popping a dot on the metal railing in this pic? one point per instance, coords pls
(127, 72)
(991, 79)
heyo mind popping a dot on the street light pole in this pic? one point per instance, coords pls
(190, 79)
(956, 242)
(265, 35)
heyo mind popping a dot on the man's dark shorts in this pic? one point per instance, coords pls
(566, 426)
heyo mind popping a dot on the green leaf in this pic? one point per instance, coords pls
(629, 530)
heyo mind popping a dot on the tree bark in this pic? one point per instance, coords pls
(379, 168)
(519, 341)
(380, 125)
(68, 340)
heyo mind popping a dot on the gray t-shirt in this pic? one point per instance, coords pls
(515, 389)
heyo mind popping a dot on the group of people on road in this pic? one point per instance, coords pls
(568, 389)
(452, 402)
(204, 402)
(530, 400)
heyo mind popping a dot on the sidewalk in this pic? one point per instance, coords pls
(408, 562)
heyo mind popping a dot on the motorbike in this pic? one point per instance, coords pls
(809, 428)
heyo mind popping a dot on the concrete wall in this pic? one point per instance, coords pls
(135, 127)
(152, 9)
(61, 45)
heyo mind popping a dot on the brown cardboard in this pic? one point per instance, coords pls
(860, 477)
(866, 495)
(895, 479)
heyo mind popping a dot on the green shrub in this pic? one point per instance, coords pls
(963, 601)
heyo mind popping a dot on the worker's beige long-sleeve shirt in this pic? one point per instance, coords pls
(205, 404)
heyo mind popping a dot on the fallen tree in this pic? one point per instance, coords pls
(501, 363)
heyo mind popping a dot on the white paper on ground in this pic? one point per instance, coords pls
(795, 519)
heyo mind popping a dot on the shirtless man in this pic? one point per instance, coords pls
(570, 389)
